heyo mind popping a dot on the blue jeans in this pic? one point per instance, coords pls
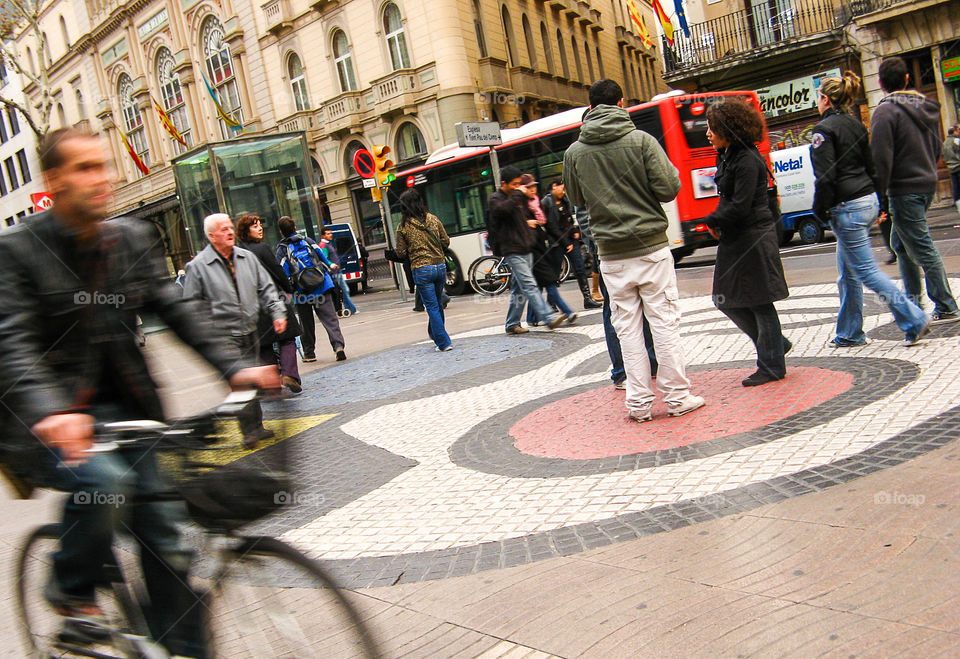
(524, 290)
(617, 373)
(576, 259)
(553, 298)
(92, 512)
(341, 281)
(915, 250)
(851, 222)
(430, 280)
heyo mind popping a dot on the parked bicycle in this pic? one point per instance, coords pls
(491, 275)
(260, 597)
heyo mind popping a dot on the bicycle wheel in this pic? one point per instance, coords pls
(269, 600)
(44, 630)
(489, 275)
(565, 268)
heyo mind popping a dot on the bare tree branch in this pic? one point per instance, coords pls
(20, 21)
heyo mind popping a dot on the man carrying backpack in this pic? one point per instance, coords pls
(308, 269)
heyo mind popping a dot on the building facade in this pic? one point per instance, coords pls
(782, 48)
(348, 73)
(19, 169)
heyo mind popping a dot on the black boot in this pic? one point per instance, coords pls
(588, 301)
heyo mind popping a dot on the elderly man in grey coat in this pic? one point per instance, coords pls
(235, 287)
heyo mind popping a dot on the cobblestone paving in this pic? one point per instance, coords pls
(420, 476)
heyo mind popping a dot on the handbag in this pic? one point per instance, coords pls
(265, 325)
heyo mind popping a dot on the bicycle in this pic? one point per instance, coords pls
(260, 596)
(491, 275)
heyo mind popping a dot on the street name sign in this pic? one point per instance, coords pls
(478, 133)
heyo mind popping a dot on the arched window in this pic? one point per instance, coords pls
(547, 50)
(61, 115)
(396, 37)
(576, 58)
(563, 55)
(298, 83)
(348, 155)
(344, 61)
(220, 72)
(528, 37)
(586, 53)
(64, 34)
(171, 94)
(510, 38)
(410, 142)
(478, 27)
(81, 107)
(132, 120)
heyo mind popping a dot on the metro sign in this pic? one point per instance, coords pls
(42, 201)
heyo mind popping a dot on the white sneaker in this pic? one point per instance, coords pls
(640, 416)
(620, 386)
(689, 404)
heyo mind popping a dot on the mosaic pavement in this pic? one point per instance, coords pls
(514, 449)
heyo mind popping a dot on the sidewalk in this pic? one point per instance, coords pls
(497, 500)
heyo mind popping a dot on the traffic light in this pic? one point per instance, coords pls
(382, 165)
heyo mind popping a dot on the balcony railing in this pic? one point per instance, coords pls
(766, 24)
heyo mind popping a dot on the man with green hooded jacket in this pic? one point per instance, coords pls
(622, 175)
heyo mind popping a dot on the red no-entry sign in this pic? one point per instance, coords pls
(363, 163)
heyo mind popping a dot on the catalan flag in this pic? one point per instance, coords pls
(664, 21)
(637, 19)
(133, 154)
(168, 123)
(227, 119)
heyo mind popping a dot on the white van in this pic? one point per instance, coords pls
(793, 171)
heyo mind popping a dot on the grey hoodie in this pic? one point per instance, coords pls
(621, 175)
(905, 140)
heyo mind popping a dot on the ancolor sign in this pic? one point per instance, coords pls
(792, 96)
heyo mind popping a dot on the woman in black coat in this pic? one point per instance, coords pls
(250, 238)
(748, 277)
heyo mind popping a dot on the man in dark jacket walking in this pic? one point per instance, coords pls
(559, 212)
(71, 286)
(622, 176)
(906, 148)
(511, 237)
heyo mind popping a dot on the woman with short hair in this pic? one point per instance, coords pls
(748, 277)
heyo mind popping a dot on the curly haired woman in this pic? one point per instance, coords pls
(748, 277)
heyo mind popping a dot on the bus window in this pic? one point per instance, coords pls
(472, 207)
(692, 112)
(648, 120)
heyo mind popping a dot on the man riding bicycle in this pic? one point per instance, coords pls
(71, 286)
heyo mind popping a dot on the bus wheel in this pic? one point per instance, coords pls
(681, 253)
(455, 281)
(810, 231)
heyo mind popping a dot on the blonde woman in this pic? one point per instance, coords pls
(845, 194)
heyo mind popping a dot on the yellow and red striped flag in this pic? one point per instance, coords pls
(133, 154)
(168, 123)
(637, 18)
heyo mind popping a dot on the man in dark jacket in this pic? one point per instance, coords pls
(70, 288)
(906, 148)
(622, 176)
(511, 237)
(559, 212)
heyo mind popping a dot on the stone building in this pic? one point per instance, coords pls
(19, 169)
(347, 73)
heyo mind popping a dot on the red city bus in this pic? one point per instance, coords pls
(456, 181)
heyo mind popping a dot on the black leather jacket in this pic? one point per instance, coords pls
(68, 330)
(842, 161)
(507, 229)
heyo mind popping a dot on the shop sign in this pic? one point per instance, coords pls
(950, 69)
(793, 96)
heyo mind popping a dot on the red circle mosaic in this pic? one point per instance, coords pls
(594, 424)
